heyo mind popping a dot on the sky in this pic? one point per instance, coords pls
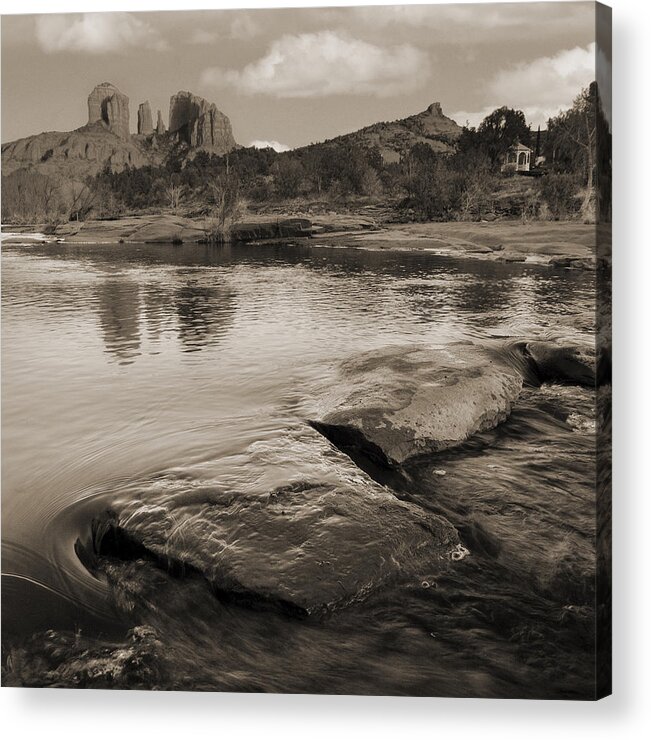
(291, 76)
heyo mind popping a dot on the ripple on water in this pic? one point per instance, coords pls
(121, 363)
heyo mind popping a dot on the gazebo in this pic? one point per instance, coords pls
(517, 158)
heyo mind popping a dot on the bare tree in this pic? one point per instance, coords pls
(82, 201)
(174, 194)
(572, 139)
(226, 206)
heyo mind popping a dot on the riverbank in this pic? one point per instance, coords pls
(557, 243)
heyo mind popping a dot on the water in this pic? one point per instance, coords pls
(122, 362)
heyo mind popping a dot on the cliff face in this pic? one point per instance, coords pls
(200, 124)
(106, 138)
(109, 107)
(160, 126)
(145, 124)
(72, 154)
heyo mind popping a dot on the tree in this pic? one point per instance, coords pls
(434, 188)
(82, 200)
(500, 130)
(478, 186)
(31, 196)
(288, 174)
(571, 144)
(225, 197)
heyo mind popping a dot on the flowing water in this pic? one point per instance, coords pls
(122, 362)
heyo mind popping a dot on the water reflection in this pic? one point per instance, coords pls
(118, 310)
(204, 314)
(157, 299)
(199, 315)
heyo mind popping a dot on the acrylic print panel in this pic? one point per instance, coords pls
(306, 350)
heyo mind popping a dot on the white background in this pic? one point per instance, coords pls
(52, 714)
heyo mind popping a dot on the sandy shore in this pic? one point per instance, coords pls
(564, 244)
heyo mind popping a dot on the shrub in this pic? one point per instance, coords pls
(558, 190)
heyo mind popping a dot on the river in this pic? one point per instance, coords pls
(121, 362)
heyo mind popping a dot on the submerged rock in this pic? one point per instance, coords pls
(68, 660)
(400, 402)
(561, 363)
(306, 541)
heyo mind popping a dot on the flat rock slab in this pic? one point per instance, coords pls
(307, 541)
(399, 402)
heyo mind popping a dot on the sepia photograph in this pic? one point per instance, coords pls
(306, 350)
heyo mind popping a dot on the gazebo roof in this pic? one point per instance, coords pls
(520, 147)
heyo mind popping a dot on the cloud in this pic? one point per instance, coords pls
(201, 36)
(489, 23)
(548, 81)
(241, 28)
(244, 27)
(326, 63)
(260, 144)
(540, 88)
(95, 33)
(472, 118)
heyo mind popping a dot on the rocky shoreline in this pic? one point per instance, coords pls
(555, 243)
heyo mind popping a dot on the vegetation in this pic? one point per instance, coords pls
(30, 197)
(571, 145)
(225, 200)
(423, 185)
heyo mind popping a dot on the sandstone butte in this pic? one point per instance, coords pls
(145, 123)
(106, 138)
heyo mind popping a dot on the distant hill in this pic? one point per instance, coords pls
(392, 138)
(195, 125)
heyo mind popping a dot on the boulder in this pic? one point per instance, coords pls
(555, 363)
(577, 263)
(510, 256)
(145, 124)
(109, 107)
(399, 402)
(199, 123)
(303, 530)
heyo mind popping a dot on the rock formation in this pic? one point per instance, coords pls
(145, 124)
(396, 403)
(304, 545)
(108, 106)
(200, 124)
(105, 140)
(160, 126)
(73, 155)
